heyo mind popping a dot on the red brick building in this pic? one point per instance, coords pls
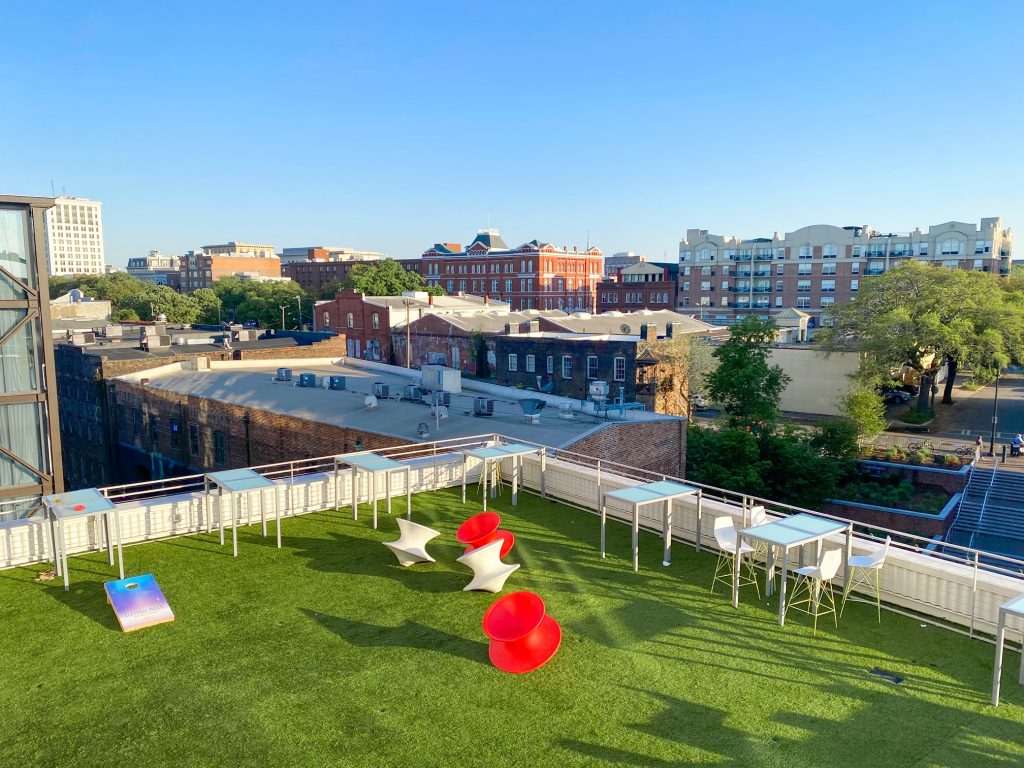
(642, 286)
(534, 275)
(317, 272)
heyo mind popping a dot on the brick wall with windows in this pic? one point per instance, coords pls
(571, 364)
(657, 446)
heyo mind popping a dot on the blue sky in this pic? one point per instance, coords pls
(393, 126)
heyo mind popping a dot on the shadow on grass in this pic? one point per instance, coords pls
(87, 598)
(408, 634)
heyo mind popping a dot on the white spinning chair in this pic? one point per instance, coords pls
(489, 573)
(411, 546)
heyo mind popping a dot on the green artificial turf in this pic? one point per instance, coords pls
(328, 653)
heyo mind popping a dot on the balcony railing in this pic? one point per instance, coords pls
(763, 273)
(739, 257)
(874, 271)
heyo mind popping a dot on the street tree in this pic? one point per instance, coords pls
(864, 408)
(924, 317)
(743, 383)
(248, 300)
(209, 305)
(684, 363)
(386, 278)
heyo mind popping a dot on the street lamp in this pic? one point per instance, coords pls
(299, 299)
(282, 308)
(408, 351)
(995, 418)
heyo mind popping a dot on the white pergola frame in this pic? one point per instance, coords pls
(374, 464)
(491, 456)
(658, 492)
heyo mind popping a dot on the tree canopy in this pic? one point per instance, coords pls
(386, 278)
(247, 300)
(131, 298)
(744, 384)
(922, 316)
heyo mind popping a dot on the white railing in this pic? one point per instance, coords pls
(954, 586)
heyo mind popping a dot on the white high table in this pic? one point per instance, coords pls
(88, 502)
(232, 481)
(1014, 607)
(787, 533)
(373, 465)
(637, 496)
(494, 454)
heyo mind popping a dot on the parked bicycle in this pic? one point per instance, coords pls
(924, 445)
(964, 450)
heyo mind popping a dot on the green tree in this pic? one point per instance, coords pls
(795, 471)
(727, 458)
(744, 384)
(684, 364)
(59, 285)
(864, 407)
(209, 305)
(248, 300)
(836, 439)
(331, 290)
(386, 278)
(156, 300)
(483, 368)
(921, 316)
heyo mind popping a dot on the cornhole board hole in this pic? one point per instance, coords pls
(138, 602)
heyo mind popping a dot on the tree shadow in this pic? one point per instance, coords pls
(408, 634)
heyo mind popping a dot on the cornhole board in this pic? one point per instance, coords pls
(138, 602)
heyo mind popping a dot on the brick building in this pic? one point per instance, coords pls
(644, 285)
(198, 269)
(534, 275)
(315, 274)
(177, 420)
(368, 322)
(635, 366)
(87, 396)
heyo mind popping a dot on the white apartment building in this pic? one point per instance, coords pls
(726, 278)
(74, 237)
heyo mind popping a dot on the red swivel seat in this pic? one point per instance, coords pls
(523, 637)
(483, 529)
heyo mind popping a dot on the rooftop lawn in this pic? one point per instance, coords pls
(328, 653)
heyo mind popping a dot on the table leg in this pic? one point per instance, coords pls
(769, 572)
(220, 515)
(64, 557)
(465, 461)
(782, 587)
(604, 516)
(736, 572)
(700, 532)
(998, 666)
(515, 481)
(107, 534)
(483, 479)
(53, 545)
(263, 515)
(636, 537)
(373, 495)
(387, 489)
(408, 493)
(120, 544)
(666, 528)
(355, 493)
(277, 514)
(234, 528)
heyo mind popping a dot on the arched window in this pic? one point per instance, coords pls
(952, 247)
(349, 321)
(828, 251)
(375, 319)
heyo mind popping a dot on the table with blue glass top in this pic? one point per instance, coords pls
(637, 496)
(1014, 607)
(88, 502)
(491, 456)
(373, 464)
(236, 481)
(790, 532)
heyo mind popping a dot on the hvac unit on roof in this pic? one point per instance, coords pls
(381, 390)
(283, 374)
(412, 392)
(307, 380)
(483, 406)
(441, 398)
(336, 382)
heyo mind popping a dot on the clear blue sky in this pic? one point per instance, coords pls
(393, 126)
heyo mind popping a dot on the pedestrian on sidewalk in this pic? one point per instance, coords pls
(1015, 447)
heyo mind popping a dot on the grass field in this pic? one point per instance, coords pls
(327, 653)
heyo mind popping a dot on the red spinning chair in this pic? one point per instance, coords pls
(523, 637)
(483, 529)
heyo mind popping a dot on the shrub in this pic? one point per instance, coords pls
(914, 415)
(896, 453)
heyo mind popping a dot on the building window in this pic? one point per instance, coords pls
(828, 269)
(806, 251)
(828, 301)
(375, 321)
(175, 435)
(137, 422)
(854, 285)
(513, 363)
(803, 302)
(551, 364)
(828, 251)
(193, 439)
(705, 285)
(803, 269)
(854, 267)
(778, 301)
(508, 286)
(350, 320)
(566, 366)
(218, 446)
(531, 364)
(952, 247)
(154, 431)
(327, 320)
(591, 366)
(780, 269)
(619, 371)
(828, 286)
(803, 286)
(779, 285)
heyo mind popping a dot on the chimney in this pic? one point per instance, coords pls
(674, 330)
(649, 332)
(430, 299)
(533, 326)
(486, 299)
(511, 329)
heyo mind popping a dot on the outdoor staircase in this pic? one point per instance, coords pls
(991, 514)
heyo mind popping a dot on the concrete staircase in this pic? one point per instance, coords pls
(991, 514)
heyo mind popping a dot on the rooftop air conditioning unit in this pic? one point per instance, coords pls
(598, 390)
(565, 411)
(382, 390)
(483, 406)
(336, 382)
(283, 374)
(307, 380)
(412, 392)
(441, 398)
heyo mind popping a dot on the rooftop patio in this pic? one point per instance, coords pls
(327, 652)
